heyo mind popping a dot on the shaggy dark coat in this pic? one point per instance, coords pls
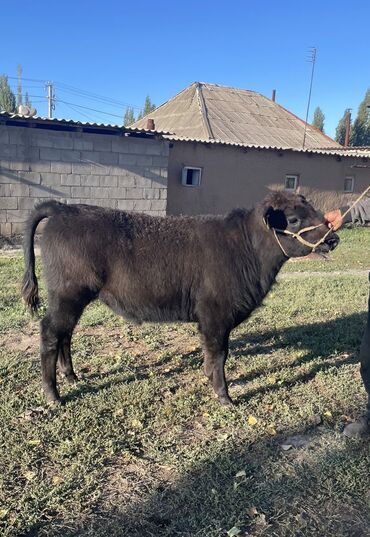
(212, 270)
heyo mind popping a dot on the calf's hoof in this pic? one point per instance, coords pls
(225, 400)
(358, 429)
(52, 398)
(71, 378)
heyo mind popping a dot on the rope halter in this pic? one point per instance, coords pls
(310, 228)
(300, 239)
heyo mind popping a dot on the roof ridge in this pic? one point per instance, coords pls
(227, 87)
(203, 111)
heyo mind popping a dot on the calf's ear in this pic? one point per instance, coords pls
(275, 218)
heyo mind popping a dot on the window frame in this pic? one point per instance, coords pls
(184, 173)
(294, 176)
(352, 178)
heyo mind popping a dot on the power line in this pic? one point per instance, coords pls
(88, 108)
(72, 89)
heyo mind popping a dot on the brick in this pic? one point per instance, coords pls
(49, 191)
(17, 165)
(28, 153)
(17, 215)
(120, 144)
(125, 205)
(81, 168)
(62, 141)
(108, 181)
(43, 141)
(126, 181)
(90, 180)
(30, 177)
(107, 202)
(61, 167)
(8, 203)
(50, 179)
(127, 160)
(40, 166)
(101, 192)
(134, 193)
(6, 229)
(27, 203)
(99, 169)
(102, 144)
(70, 180)
(136, 148)
(159, 181)
(142, 205)
(163, 193)
(80, 144)
(151, 193)
(161, 162)
(158, 205)
(143, 181)
(49, 153)
(4, 135)
(20, 190)
(8, 151)
(89, 156)
(154, 148)
(80, 191)
(18, 228)
(5, 190)
(68, 155)
(144, 160)
(108, 158)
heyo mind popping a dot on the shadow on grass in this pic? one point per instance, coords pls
(256, 487)
(341, 336)
(321, 489)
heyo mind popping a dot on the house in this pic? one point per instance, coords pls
(207, 150)
(230, 145)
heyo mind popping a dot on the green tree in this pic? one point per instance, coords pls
(148, 106)
(129, 117)
(318, 119)
(340, 131)
(7, 97)
(360, 133)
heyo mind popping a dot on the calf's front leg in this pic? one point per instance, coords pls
(216, 348)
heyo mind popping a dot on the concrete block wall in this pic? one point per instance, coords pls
(121, 172)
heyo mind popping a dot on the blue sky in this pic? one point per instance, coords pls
(125, 50)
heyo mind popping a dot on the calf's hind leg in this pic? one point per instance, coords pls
(55, 337)
(65, 360)
(216, 348)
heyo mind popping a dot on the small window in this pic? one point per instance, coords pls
(291, 182)
(349, 184)
(191, 176)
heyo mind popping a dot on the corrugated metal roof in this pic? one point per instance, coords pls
(362, 152)
(74, 123)
(230, 115)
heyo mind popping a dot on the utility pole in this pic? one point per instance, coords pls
(312, 59)
(51, 98)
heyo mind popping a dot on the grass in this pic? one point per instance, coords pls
(141, 447)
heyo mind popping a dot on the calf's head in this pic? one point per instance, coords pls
(298, 228)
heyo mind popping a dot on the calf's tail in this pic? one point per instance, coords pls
(30, 289)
